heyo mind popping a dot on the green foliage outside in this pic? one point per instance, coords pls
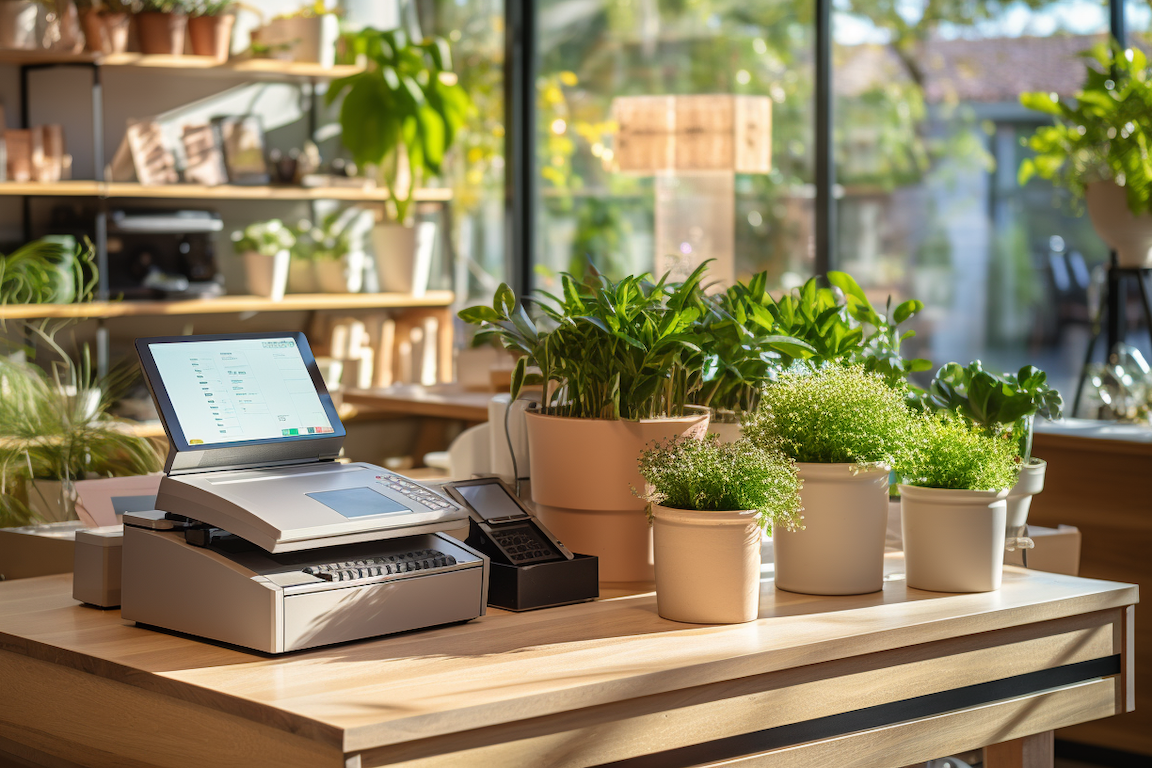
(947, 451)
(710, 476)
(266, 238)
(836, 414)
(1103, 133)
(403, 113)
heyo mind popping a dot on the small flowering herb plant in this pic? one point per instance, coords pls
(949, 451)
(835, 414)
(711, 476)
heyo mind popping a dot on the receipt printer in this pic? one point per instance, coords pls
(260, 537)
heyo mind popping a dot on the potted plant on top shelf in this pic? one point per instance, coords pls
(307, 35)
(1098, 148)
(953, 503)
(106, 24)
(615, 363)
(1002, 405)
(709, 502)
(161, 25)
(400, 116)
(210, 25)
(844, 427)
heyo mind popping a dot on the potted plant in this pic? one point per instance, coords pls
(325, 248)
(210, 25)
(18, 19)
(161, 25)
(1002, 404)
(267, 251)
(307, 35)
(106, 24)
(843, 427)
(614, 363)
(953, 502)
(51, 270)
(1097, 149)
(709, 501)
(400, 116)
(55, 429)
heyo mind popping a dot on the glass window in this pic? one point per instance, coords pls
(928, 132)
(669, 132)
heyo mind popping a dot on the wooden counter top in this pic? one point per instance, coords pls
(505, 670)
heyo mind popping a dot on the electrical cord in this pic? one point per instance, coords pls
(508, 438)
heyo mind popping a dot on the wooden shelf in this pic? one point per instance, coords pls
(296, 302)
(260, 69)
(199, 192)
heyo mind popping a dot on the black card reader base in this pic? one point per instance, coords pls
(544, 585)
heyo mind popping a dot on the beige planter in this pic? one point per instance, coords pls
(583, 475)
(1130, 236)
(112, 36)
(729, 431)
(267, 275)
(953, 540)
(840, 551)
(724, 591)
(51, 503)
(161, 34)
(1019, 500)
(331, 275)
(310, 39)
(403, 256)
(18, 19)
(211, 35)
(302, 277)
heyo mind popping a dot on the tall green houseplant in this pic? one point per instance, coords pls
(403, 112)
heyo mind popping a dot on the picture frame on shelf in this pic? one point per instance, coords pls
(204, 155)
(242, 140)
(143, 156)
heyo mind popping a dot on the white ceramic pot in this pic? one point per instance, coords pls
(18, 19)
(953, 540)
(403, 256)
(583, 475)
(729, 431)
(267, 275)
(724, 591)
(840, 551)
(1019, 500)
(331, 275)
(1130, 236)
(302, 277)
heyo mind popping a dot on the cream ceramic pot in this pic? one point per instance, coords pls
(953, 539)
(1130, 236)
(267, 275)
(1019, 500)
(840, 550)
(707, 565)
(584, 474)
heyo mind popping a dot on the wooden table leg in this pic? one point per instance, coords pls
(1036, 751)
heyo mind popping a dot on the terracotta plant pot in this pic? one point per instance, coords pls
(161, 34)
(114, 29)
(840, 551)
(1130, 236)
(211, 35)
(727, 590)
(953, 540)
(267, 275)
(583, 473)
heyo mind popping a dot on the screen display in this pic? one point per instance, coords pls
(240, 389)
(490, 500)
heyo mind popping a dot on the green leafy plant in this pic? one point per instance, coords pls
(329, 239)
(1102, 133)
(835, 414)
(317, 8)
(210, 7)
(947, 451)
(710, 476)
(266, 238)
(615, 350)
(163, 6)
(742, 346)
(999, 403)
(51, 270)
(402, 114)
(54, 425)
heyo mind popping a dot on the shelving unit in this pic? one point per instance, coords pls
(307, 75)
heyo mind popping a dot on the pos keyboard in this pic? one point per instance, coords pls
(388, 565)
